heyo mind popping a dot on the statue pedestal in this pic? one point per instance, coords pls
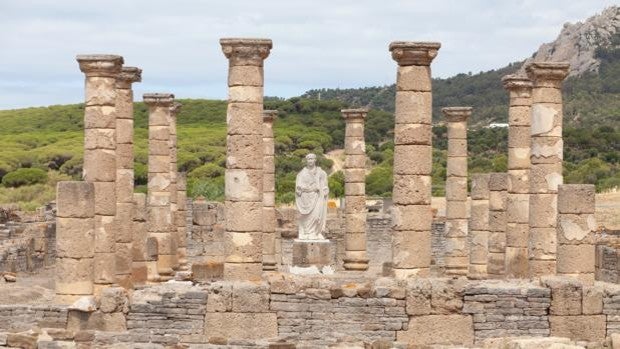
(313, 257)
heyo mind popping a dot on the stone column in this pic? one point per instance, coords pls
(124, 173)
(181, 220)
(139, 265)
(159, 219)
(355, 190)
(75, 240)
(576, 228)
(479, 226)
(174, 111)
(99, 165)
(546, 163)
(269, 192)
(244, 162)
(411, 213)
(457, 252)
(517, 205)
(498, 183)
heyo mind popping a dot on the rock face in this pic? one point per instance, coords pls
(577, 42)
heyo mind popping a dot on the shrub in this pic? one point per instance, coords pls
(336, 184)
(206, 171)
(24, 176)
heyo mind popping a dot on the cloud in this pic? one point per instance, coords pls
(316, 43)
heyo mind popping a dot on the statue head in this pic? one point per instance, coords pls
(311, 161)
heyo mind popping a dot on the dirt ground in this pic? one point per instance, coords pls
(29, 288)
(608, 210)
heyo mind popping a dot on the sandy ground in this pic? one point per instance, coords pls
(31, 289)
(608, 210)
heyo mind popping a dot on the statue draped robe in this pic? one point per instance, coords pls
(311, 200)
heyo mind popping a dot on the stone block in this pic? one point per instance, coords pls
(99, 165)
(159, 219)
(546, 120)
(124, 217)
(547, 95)
(438, 329)
(244, 152)
(498, 200)
(543, 210)
(413, 78)
(516, 262)
(100, 117)
(547, 150)
(517, 208)
(355, 146)
(519, 115)
(124, 185)
(243, 185)
(479, 215)
(545, 178)
(411, 217)
(243, 271)
(456, 210)
(576, 198)
(123, 258)
(411, 190)
(592, 300)
(420, 134)
(590, 328)
(313, 253)
(245, 75)
(75, 199)
(496, 263)
(519, 181)
(456, 188)
(457, 130)
(413, 107)
(100, 138)
(413, 159)
(159, 147)
(105, 228)
(517, 234)
(519, 158)
(355, 222)
(576, 229)
(543, 243)
(159, 163)
(411, 249)
(355, 161)
(479, 249)
(207, 271)
(74, 276)
(104, 270)
(244, 119)
(418, 297)
(497, 242)
(354, 189)
(457, 148)
(355, 204)
(498, 181)
(518, 137)
(355, 241)
(250, 297)
(456, 228)
(242, 216)
(236, 326)
(245, 94)
(457, 167)
(159, 182)
(75, 237)
(497, 221)
(565, 295)
(480, 186)
(243, 247)
(575, 258)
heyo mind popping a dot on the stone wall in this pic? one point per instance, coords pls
(22, 317)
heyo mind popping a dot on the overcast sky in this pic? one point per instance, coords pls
(317, 43)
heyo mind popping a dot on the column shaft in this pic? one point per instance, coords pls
(546, 164)
(269, 189)
(411, 213)
(355, 190)
(479, 226)
(456, 233)
(498, 194)
(174, 110)
(139, 265)
(181, 220)
(99, 165)
(244, 158)
(517, 206)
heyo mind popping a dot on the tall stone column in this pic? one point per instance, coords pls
(457, 251)
(576, 228)
(546, 163)
(159, 219)
(517, 205)
(244, 162)
(181, 220)
(124, 173)
(498, 183)
(99, 165)
(355, 190)
(269, 192)
(479, 226)
(174, 111)
(411, 213)
(75, 240)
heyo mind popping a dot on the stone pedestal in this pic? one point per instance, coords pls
(412, 215)
(355, 190)
(479, 226)
(313, 257)
(100, 157)
(517, 205)
(124, 173)
(546, 164)
(456, 234)
(244, 158)
(269, 193)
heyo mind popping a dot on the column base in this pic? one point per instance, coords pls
(269, 263)
(477, 271)
(355, 260)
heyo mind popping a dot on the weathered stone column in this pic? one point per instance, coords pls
(269, 192)
(124, 173)
(517, 205)
(355, 190)
(546, 164)
(498, 183)
(100, 157)
(174, 111)
(411, 213)
(244, 162)
(75, 240)
(140, 260)
(576, 228)
(159, 219)
(457, 251)
(181, 220)
(479, 226)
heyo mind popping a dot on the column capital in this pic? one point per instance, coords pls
(269, 115)
(158, 99)
(128, 76)
(513, 82)
(246, 51)
(100, 65)
(457, 114)
(414, 53)
(354, 114)
(175, 108)
(547, 71)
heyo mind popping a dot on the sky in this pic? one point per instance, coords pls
(316, 44)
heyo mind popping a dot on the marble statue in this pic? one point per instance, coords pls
(311, 200)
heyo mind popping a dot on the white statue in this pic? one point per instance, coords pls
(311, 199)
